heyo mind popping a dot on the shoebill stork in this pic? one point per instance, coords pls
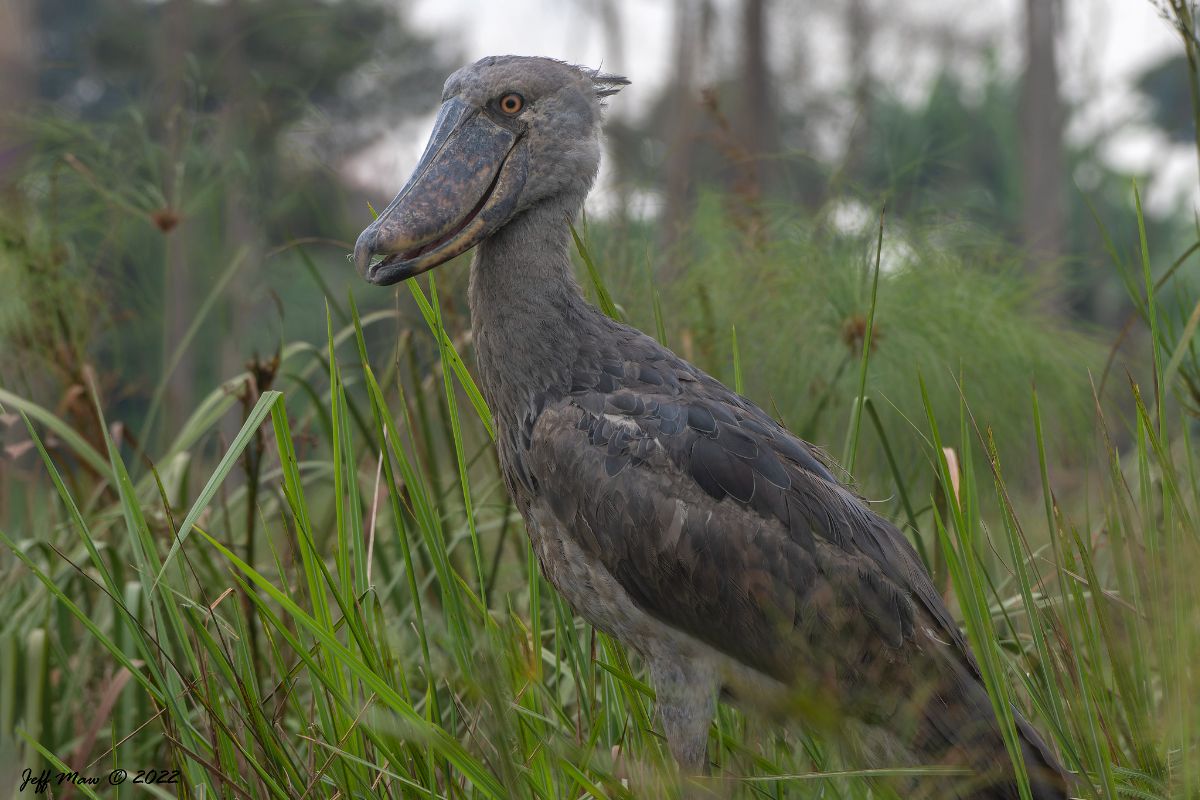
(669, 511)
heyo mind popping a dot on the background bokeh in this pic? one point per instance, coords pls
(181, 182)
(224, 153)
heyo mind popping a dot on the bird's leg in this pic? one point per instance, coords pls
(687, 699)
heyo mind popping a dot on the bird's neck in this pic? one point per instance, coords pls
(527, 313)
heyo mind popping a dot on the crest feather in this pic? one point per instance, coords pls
(606, 83)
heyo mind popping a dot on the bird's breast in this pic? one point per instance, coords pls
(595, 595)
(585, 582)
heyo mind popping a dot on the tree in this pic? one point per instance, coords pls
(860, 29)
(190, 129)
(16, 78)
(1043, 175)
(171, 60)
(1167, 85)
(690, 37)
(758, 128)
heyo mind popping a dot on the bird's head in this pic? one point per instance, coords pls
(512, 132)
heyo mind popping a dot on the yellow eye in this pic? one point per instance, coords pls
(512, 103)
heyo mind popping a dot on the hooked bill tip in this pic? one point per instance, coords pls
(363, 250)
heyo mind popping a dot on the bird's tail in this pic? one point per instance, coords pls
(1047, 779)
(994, 777)
(958, 726)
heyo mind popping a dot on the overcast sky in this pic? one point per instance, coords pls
(1106, 43)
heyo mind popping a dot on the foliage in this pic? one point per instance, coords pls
(953, 308)
(270, 62)
(333, 596)
(173, 144)
(949, 161)
(1165, 85)
(377, 640)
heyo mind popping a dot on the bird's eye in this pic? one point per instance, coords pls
(512, 103)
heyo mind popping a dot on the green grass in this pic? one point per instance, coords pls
(334, 597)
(952, 302)
(370, 621)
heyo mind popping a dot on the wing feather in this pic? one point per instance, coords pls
(718, 521)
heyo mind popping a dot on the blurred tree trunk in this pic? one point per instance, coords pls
(614, 61)
(1043, 219)
(17, 76)
(680, 138)
(759, 126)
(608, 12)
(178, 307)
(241, 223)
(749, 143)
(860, 31)
(17, 73)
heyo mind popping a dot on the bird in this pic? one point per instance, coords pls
(668, 510)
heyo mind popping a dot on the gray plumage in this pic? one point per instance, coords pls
(670, 511)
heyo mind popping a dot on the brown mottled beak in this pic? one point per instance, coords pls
(464, 188)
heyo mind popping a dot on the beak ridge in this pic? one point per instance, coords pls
(461, 190)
